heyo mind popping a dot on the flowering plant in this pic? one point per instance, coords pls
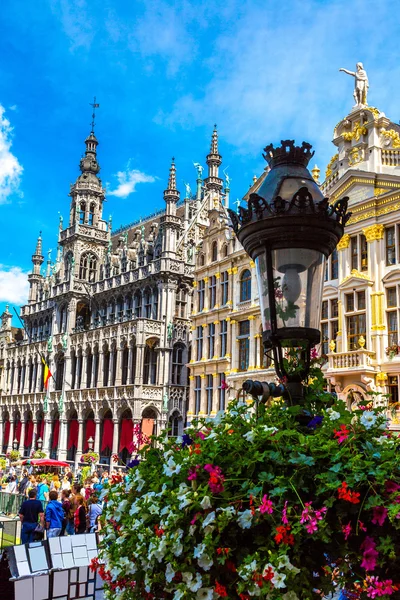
(13, 455)
(279, 502)
(392, 350)
(90, 458)
(38, 454)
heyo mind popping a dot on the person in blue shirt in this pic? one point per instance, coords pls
(43, 491)
(54, 515)
(30, 512)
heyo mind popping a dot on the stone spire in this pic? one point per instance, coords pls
(88, 163)
(214, 160)
(35, 277)
(171, 194)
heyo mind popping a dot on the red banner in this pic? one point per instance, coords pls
(108, 430)
(73, 433)
(28, 434)
(126, 434)
(6, 435)
(17, 431)
(56, 434)
(90, 432)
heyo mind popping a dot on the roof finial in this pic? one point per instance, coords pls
(38, 250)
(214, 141)
(94, 105)
(172, 176)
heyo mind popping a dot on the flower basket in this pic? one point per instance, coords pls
(392, 351)
(90, 458)
(13, 455)
(3, 464)
(38, 454)
(284, 503)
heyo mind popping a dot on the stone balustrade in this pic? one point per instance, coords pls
(355, 360)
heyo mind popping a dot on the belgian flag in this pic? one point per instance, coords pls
(46, 374)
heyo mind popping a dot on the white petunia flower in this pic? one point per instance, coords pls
(195, 585)
(334, 415)
(267, 429)
(187, 577)
(210, 518)
(368, 419)
(179, 594)
(177, 548)
(205, 594)
(384, 440)
(115, 573)
(205, 562)
(205, 503)
(219, 417)
(169, 573)
(245, 519)
(250, 436)
(199, 550)
(171, 468)
(279, 580)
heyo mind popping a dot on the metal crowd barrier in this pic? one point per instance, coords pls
(11, 503)
(9, 532)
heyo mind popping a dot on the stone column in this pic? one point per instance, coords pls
(47, 434)
(192, 399)
(215, 402)
(62, 439)
(115, 437)
(22, 438)
(11, 436)
(252, 344)
(234, 350)
(205, 343)
(1, 435)
(376, 264)
(203, 398)
(97, 436)
(80, 443)
(130, 374)
(343, 270)
(139, 364)
(118, 373)
(217, 338)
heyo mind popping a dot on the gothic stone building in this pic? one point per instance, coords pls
(112, 319)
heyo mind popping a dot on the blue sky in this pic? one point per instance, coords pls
(163, 74)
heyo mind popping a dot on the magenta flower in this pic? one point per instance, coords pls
(285, 520)
(346, 530)
(380, 514)
(266, 506)
(312, 526)
(369, 554)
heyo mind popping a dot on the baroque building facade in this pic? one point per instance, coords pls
(111, 318)
(360, 310)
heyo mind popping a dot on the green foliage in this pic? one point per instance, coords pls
(273, 502)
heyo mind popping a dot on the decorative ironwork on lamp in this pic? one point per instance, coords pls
(289, 229)
(90, 443)
(39, 443)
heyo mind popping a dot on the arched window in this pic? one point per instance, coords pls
(178, 364)
(120, 309)
(180, 309)
(201, 260)
(67, 265)
(225, 251)
(73, 369)
(95, 366)
(59, 371)
(114, 354)
(124, 364)
(150, 366)
(62, 319)
(107, 433)
(82, 211)
(89, 367)
(175, 425)
(214, 252)
(147, 304)
(87, 267)
(245, 286)
(137, 305)
(154, 308)
(73, 434)
(106, 365)
(91, 214)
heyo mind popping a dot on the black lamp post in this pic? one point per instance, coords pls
(289, 229)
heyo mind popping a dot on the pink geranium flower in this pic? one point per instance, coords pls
(346, 530)
(266, 506)
(341, 434)
(369, 554)
(285, 520)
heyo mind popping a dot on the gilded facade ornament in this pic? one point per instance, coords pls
(332, 345)
(393, 135)
(379, 191)
(329, 170)
(374, 232)
(381, 378)
(355, 156)
(344, 242)
(356, 133)
(375, 111)
(315, 173)
(361, 342)
(355, 273)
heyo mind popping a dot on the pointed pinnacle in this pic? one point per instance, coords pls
(172, 176)
(214, 141)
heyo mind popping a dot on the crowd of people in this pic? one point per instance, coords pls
(57, 504)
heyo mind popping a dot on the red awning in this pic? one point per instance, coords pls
(126, 434)
(44, 462)
(90, 432)
(6, 435)
(56, 434)
(108, 430)
(28, 434)
(73, 434)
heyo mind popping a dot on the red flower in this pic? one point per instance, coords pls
(223, 551)
(230, 565)
(216, 479)
(341, 434)
(266, 506)
(158, 531)
(220, 590)
(283, 536)
(346, 494)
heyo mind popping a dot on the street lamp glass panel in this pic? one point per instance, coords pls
(297, 279)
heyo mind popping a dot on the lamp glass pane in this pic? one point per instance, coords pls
(298, 281)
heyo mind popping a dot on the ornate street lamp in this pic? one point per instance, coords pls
(15, 444)
(90, 444)
(289, 229)
(39, 443)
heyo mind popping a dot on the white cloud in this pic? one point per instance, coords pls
(128, 180)
(14, 285)
(10, 168)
